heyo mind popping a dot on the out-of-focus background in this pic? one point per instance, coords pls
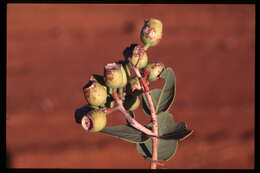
(52, 49)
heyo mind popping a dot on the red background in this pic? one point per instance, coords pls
(52, 49)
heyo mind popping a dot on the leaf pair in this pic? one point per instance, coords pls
(170, 132)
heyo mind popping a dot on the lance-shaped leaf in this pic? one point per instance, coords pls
(166, 148)
(126, 133)
(162, 98)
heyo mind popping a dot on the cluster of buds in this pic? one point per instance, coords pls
(118, 78)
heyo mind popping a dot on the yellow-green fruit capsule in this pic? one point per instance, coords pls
(124, 82)
(99, 120)
(140, 55)
(128, 72)
(95, 93)
(154, 70)
(151, 33)
(113, 75)
(95, 121)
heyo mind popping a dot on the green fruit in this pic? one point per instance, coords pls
(154, 70)
(139, 53)
(95, 93)
(99, 120)
(151, 33)
(131, 102)
(124, 81)
(113, 75)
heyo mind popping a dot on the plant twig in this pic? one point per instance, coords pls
(131, 120)
(154, 118)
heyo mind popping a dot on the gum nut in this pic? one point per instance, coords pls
(113, 75)
(139, 53)
(95, 94)
(124, 82)
(99, 119)
(135, 84)
(154, 70)
(151, 33)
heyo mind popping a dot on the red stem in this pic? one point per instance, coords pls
(153, 116)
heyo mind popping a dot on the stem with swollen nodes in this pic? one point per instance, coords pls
(153, 115)
(131, 120)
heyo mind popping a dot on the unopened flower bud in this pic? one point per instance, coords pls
(113, 75)
(139, 57)
(154, 70)
(95, 121)
(95, 93)
(151, 32)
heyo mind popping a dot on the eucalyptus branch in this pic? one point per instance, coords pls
(119, 90)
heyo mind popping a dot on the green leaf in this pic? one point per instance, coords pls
(155, 94)
(180, 132)
(162, 98)
(126, 133)
(166, 148)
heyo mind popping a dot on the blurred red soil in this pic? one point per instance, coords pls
(52, 49)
